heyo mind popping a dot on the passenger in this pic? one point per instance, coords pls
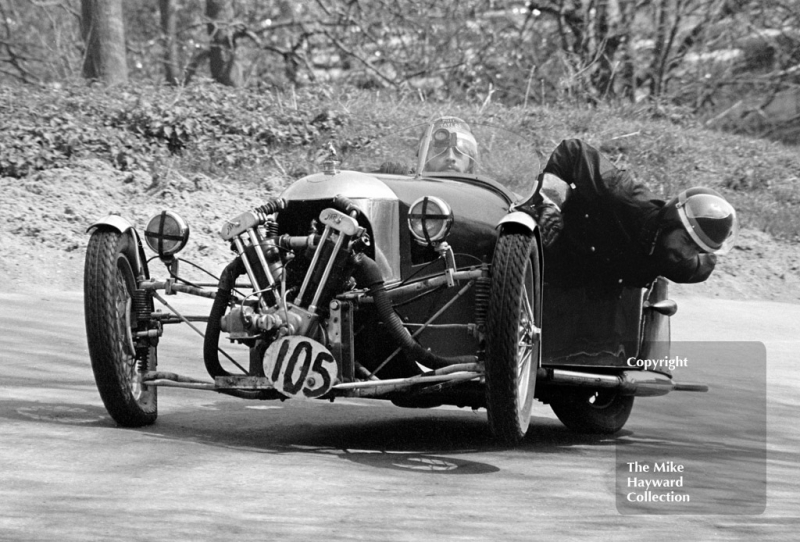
(612, 231)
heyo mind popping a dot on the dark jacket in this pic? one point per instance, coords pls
(611, 225)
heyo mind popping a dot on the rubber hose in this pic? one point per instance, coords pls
(345, 204)
(211, 341)
(210, 344)
(368, 275)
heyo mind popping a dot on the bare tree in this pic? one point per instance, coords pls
(222, 30)
(170, 43)
(104, 37)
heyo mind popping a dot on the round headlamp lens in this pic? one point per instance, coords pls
(166, 233)
(430, 220)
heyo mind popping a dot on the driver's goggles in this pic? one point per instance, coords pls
(464, 143)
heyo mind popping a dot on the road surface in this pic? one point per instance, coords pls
(215, 467)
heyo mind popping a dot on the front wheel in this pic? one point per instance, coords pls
(513, 332)
(111, 322)
(593, 411)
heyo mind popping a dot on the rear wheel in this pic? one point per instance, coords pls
(111, 321)
(513, 330)
(593, 411)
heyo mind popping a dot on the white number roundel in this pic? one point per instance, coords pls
(300, 367)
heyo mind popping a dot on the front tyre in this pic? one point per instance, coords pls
(513, 330)
(118, 365)
(593, 411)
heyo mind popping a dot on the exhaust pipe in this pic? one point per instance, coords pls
(636, 383)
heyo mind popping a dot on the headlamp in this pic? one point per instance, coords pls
(166, 234)
(429, 220)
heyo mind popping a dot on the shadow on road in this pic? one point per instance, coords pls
(379, 436)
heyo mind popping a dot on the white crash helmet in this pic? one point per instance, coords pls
(708, 218)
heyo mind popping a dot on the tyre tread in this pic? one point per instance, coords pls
(580, 417)
(508, 269)
(100, 315)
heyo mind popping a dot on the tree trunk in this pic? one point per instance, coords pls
(660, 50)
(225, 67)
(104, 37)
(170, 44)
(616, 73)
(627, 70)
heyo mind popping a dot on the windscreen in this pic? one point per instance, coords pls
(447, 147)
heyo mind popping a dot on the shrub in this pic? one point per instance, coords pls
(260, 136)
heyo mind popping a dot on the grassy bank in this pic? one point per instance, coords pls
(267, 138)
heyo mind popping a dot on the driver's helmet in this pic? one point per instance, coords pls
(708, 218)
(448, 145)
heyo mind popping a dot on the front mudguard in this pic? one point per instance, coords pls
(124, 227)
(520, 218)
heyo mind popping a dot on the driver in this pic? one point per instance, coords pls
(448, 145)
(611, 230)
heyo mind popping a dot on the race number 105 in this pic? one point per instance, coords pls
(300, 367)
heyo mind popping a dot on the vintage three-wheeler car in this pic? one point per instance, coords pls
(379, 277)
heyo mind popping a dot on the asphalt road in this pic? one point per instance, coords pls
(220, 468)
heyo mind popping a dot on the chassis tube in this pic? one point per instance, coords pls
(426, 324)
(395, 384)
(170, 286)
(414, 287)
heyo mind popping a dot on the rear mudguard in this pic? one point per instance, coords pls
(121, 225)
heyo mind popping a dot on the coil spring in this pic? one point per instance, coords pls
(482, 290)
(143, 358)
(142, 307)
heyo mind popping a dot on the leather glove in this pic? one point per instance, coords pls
(693, 270)
(548, 216)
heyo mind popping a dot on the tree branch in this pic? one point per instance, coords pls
(194, 64)
(364, 61)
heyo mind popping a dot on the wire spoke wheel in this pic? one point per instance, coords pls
(109, 286)
(513, 335)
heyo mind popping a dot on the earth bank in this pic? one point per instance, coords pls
(45, 216)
